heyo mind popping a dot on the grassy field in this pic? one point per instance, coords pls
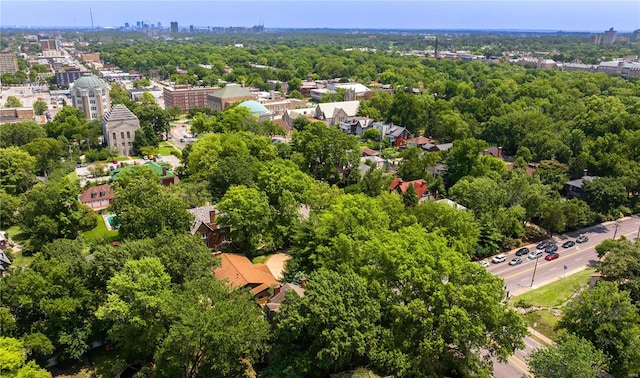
(549, 300)
(101, 232)
(166, 148)
(556, 293)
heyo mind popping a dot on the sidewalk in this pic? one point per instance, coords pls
(540, 336)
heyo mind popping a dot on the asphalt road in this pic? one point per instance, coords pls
(518, 279)
(178, 131)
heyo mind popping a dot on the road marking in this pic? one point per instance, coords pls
(567, 255)
(520, 365)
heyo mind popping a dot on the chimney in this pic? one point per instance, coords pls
(121, 165)
(585, 172)
(276, 290)
(164, 171)
(436, 194)
(303, 282)
(212, 218)
(500, 152)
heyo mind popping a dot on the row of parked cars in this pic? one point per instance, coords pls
(548, 247)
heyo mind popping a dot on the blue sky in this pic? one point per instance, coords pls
(585, 15)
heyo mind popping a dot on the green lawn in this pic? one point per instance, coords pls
(165, 148)
(15, 233)
(260, 259)
(549, 299)
(542, 321)
(101, 233)
(558, 292)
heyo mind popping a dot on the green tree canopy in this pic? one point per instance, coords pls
(571, 357)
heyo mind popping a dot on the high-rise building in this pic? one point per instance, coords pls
(186, 97)
(174, 26)
(635, 37)
(8, 63)
(126, 25)
(91, 95)
(609, 37)
(49, 44)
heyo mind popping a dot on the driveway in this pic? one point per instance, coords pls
(276, 264)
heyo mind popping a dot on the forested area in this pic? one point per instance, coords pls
(391, 282)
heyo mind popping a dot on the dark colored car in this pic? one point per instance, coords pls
(551, 249)
(582, 239)
(543, 245)
(568, 244)
(522, 251)
(551, 256)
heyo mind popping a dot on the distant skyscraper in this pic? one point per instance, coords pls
(174, 26)
(126, 25)
(609, 37)
(159, 25)
(190, 28)
(138, 24)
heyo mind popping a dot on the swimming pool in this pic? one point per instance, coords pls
(113, 222)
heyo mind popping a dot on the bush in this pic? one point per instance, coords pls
(176, 153)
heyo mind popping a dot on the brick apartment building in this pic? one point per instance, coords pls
(11, 115)
(186, 97)
(67, 77)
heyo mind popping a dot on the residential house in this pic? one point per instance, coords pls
(494, 151)
(290, 115)
(4, 240)
(438, 170)
(167, 176)
(369, 152)
(400, 186)
(212, 234)
(98, 197)
(573, 188)
(4, 263)
(279, 294)
(335, 112)
(239, 272)
(356, 125)
(397, 135)
(221, 99)
(430, 147)
(418, 142)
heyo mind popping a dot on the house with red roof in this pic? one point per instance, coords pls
(98, 197)
(400, 186)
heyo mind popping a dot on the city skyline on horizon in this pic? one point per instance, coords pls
(570, 16)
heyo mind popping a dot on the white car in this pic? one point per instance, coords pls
(483, 263)
(498, 259)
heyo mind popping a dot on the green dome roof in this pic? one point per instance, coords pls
(255, 107)
(88, 81)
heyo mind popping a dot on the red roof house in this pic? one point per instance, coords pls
(240, 272)
(422, 189)
(98, 197)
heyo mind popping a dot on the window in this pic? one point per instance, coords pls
(128, 135)
(223, 237)
(92, 101)
(102, 194)
(94, 194)
(122, 144)
(121, 134)
(114, 136)
(129, 144)
(94, 108)
(94, 115)
(204, 235)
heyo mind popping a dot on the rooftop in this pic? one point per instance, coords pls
(87, 81)
(231, 91)
(119, 112)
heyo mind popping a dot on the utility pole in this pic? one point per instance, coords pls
(616, 231)
(534, 271)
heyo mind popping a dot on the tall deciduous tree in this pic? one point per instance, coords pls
(570, 357)
(16, 170)
(136, 298)
(13, 360)
(247, 212)
(214, 332)
(144, 209)
(20, 133)
(12, 102)
(606, 317)
(622, 266)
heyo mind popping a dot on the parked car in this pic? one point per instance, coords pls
(484, 263)
(551, 249)
(543, 245)
(551, 256)
(522, 251)
(535, 254)
(568, 244)
(498, 259)
(582, 239)
(181, 140)
(515, 261)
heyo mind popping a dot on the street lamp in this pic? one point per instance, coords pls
(534, 270)
(616, 231)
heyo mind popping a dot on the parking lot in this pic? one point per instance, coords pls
(27, 94)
